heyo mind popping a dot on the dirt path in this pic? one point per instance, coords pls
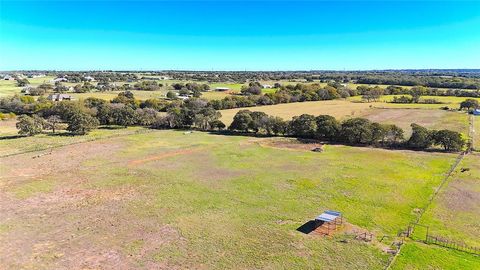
(163, 155)
(75, 224)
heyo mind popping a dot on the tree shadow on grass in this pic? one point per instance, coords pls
(11, 137)
(309, 226)
(111, 127)
(61, 134)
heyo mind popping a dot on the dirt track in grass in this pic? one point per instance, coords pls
(38, 230)
(164, 155)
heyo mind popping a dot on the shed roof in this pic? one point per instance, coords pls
(328, 216)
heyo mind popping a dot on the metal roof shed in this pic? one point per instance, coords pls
(330, 218)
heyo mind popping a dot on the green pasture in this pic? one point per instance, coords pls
(12, 143)
(455, 212)
(419, 256)
(220, 202)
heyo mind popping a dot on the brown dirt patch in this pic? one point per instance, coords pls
(163, 155)
(461, 196)
(54, 161)
(291, 144)
(76, 225)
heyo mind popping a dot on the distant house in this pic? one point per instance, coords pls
(26, 90)
(59, 97)
(89, 78)
(222, 89)
(476, 112)
(183, 96)
(265, 86)
(59, 80)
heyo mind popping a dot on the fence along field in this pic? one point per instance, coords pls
(130, 200)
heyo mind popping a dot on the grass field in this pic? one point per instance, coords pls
(419, 256)
(8, 88)
(109, 95)
(166, 199)
(11, 143)
(451, 102)
(455, 212)
(399, 115)
(476, 134)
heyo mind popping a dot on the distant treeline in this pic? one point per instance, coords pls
(356, 131)
(80, 117)
(460, 79)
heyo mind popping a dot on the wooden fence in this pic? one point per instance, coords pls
(436, 240)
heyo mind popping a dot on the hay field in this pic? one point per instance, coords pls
(341, 109)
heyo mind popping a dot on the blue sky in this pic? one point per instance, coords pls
(239, 35)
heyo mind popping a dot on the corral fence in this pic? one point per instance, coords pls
(439, 240)
(436, 240)
(364, 236)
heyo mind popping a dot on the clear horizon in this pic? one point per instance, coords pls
(239, 36)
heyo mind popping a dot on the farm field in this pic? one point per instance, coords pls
(174, 200)
(11, 143)
(419, 256)
(434, 119)
(401, 116)
(476, 134)
(109, 95)
(454, 213)
(10, 88)
(451, 102)
(337, 108)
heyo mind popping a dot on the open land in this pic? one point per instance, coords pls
(167, 199)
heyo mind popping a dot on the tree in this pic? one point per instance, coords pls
(373, 94)
(154, 103)
(93, 102)
(171, 95)
(80, 123)
(278, 125)
(124, 116)
(356, 130)
(449, 140)
(259, 121)
(327, 127)
(241, 121)
(205, 117)
(217, 124)
(37, 91)
(22, 82)
(29, 126)
(146, 117)
(303, 126)
(469, 104)
(421, 137)
(417, 92)
(394, 134)
(178, 86)
(52, 122)
(379, 133)
(251, 90)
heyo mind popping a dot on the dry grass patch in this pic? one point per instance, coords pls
(336, 108)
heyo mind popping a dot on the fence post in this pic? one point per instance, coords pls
(426, 237)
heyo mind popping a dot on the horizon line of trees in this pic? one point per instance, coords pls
(353, 131)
